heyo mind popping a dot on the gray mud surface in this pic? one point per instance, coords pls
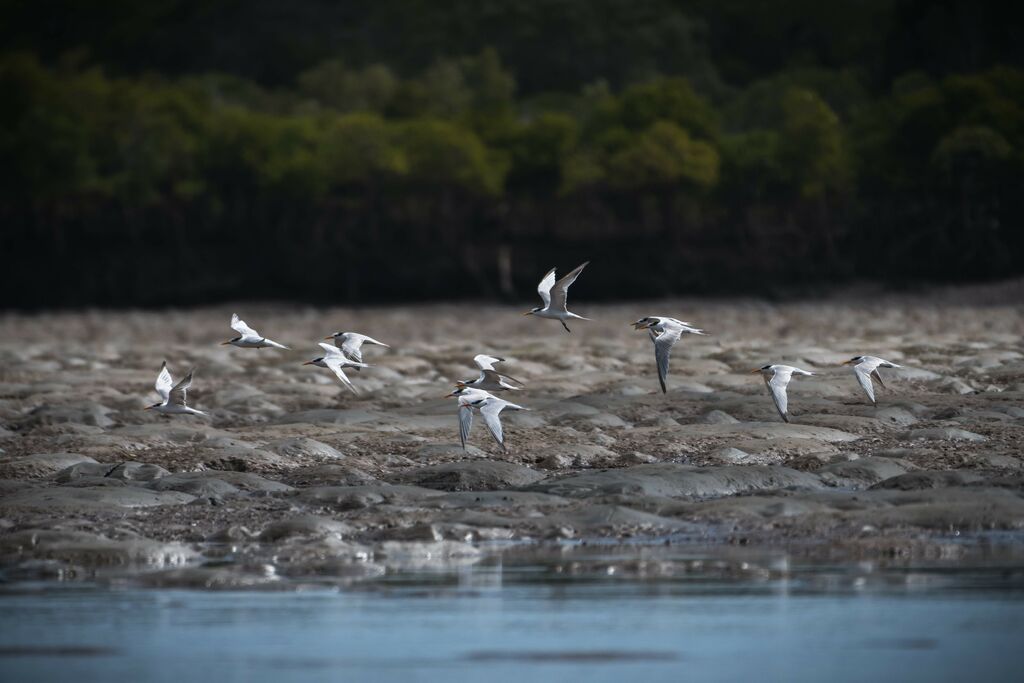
(294, 477)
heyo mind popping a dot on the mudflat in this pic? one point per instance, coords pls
(293, 478)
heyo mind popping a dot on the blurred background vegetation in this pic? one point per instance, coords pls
(178, 151)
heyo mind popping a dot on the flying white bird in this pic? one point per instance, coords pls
(173, 395)
(488, 406)
(665, 332)
(776, 378)
(553, 295)
(351, 344)
(249, 338)
(335, 361)
(490, 379)
(866, 367)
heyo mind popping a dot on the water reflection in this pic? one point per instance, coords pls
(599, 613)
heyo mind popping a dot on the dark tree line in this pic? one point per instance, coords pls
(183, 152)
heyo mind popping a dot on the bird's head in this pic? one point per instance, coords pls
(853, 361)
(314, 361)
(459, 389)
(155, 405)
(533, 310)
(224, 343)
(333, 336)
(764, 368)
(644, 323)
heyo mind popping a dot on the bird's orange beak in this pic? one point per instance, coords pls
(308, 362)
(755, 371)
(528, 313)
(329, 337)
(225, 343)
(846, 362)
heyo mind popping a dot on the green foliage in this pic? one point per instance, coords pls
(811, 151)
(667, 99)
(331, 84)
(665, 155)
(360, 149)
(441, 154)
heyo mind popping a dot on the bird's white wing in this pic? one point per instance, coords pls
(544, 288)
(177, 395)
(864, 378)
(164, 382)
(663, 344)
(465, 422)
(239, 326)
(335, 363)
(491, 413)
(329, 350)
(493, 378)
(353, 344)
(485, 362)
(777, 386)
(560, 290)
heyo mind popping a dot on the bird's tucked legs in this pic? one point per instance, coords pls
(565, 326)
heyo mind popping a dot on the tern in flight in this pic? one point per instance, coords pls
(865, 368)
(249, 338)
(490, 379)
(665, 332)
(335, 361)
(553, 295)
(488, 406)
(776, 378)
(351, 344)
(173, 395)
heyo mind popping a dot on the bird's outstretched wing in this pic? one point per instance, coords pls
(663, 344)
(491, 411)
(352, 345)
(560, 290)
(239, 326)
(465, 423)
(777, 386)
(329, 350)
(335, 363)
(544, 288)
(164, 382)
(494, 379)
(177, 395)
(485, 362)
(864, 378)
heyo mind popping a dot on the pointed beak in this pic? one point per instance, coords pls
(639, 325)
(845, 362)
(755, 371)
(225, 343)
(148, 408)
(528, 313)
(308, 362)
(329, 337)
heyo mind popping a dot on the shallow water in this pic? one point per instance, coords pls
(539, 617)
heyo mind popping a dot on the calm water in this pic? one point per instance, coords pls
(509, 620)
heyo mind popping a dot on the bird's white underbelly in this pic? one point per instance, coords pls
(554, 315)
(249, 343)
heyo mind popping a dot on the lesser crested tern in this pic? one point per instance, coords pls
(865, 368)
(665, 332)
(553, 294)
(776, 378)
(174, 395)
